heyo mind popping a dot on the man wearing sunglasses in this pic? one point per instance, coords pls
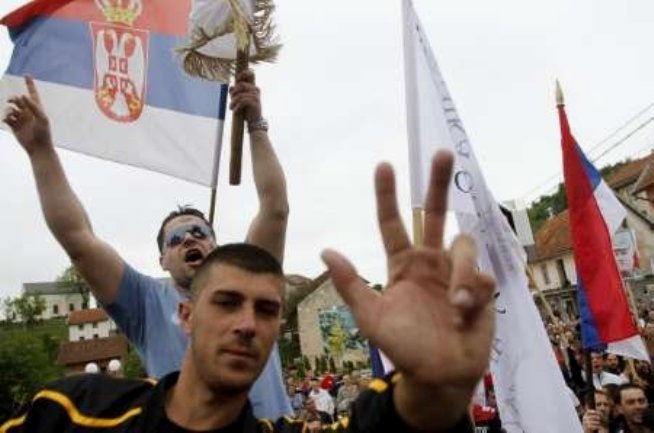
(144, 308)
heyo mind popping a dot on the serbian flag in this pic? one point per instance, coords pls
(595, 214)
(112, 85)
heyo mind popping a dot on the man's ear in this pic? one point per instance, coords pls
(185, 314)
(161, 262)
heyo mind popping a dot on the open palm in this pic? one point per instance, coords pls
(435, 319)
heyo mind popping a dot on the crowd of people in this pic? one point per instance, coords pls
(622, 389)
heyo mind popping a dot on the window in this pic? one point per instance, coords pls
(55, 310)
(81, 338)
(95, 325)
(95, 336)
(80, 327)
(546, 275)
(85, 305)
(71, 308)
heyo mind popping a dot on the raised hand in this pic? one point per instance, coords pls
(28, 121)
(434, 320)
(245, 95)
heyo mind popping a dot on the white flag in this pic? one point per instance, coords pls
(530, 389)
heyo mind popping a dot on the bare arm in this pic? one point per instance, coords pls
(98, 263)
(268, 228)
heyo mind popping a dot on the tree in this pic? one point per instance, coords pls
(72, 277)
(8, 310)
(132, 367)
(29, 308)
(27, 363)
(332, 365)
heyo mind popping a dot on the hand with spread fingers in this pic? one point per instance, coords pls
(434, 320)
(28, 121)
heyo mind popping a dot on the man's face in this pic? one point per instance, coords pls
(315, 385)
(650, 316)
(597, 362)
(612, 361)
(183, 259)
(232, 324)
(603, 407)
(632, 405)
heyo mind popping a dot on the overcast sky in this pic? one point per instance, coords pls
(335, 102)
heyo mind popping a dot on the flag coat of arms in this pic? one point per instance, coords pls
(112, 85)
(595, 215)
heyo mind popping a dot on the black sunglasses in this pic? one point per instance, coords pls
(176, 237)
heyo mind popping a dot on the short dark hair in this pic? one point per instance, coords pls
(592, 394)
(625, 386)
(241, 255)
(181, 211)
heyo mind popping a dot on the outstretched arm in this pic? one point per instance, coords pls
(98, 263)
(268, 229)
(437, 314)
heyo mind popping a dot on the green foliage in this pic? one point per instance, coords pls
(133, 368)
(307, 364)
(26, 308)
(332, 365)
(27, 362)
(71, 276)
(547, 206)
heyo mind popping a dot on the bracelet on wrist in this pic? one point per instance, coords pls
(260, 124)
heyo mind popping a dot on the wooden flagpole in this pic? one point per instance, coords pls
(238, 121)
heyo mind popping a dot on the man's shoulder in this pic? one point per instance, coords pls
(85, 401)
(96, 390)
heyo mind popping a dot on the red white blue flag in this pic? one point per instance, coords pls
(113, 86)
(595, 215)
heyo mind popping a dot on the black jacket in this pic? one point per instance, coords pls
(99, 403)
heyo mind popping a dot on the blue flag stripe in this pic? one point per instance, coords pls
(168, 86)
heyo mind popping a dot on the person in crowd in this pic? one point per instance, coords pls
(296, 397)
(613, 364)
(648, 333)
(347, 393)
(631, 404)
(312, 416)
(144, 308)
(600, 376)
(597, 420)
(323, 399)
(232, 319)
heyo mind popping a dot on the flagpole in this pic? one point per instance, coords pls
(418, 226)
(238, 121)
(216, 158)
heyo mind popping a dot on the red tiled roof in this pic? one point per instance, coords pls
(553, 238)
(92, 315)
(76, 352)
(645, 180)
(629, 172)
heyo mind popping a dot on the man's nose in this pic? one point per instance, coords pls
(246, 323)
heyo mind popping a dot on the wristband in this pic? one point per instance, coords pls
(260, 124)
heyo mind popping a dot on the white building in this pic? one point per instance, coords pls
(90, 324)
(61, 299)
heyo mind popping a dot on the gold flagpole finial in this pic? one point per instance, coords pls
(559, 94)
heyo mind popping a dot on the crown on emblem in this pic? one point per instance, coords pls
(120, 11)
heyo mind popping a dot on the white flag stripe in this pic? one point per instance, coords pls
(523, 365)
(152, 143)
